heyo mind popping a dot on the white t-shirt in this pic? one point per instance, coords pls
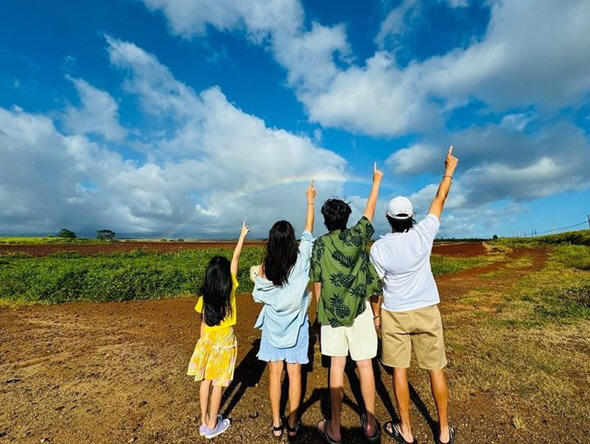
(402, 260)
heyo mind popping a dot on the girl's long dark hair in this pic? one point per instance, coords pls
(281, 252)
(216, 291)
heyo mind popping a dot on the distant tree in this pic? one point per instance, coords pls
(67, 234)
(180, 240)
(495, 237)
(105, 235)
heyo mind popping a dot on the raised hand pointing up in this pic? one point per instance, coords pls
(450, 162)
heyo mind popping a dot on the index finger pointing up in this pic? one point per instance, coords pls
(374, 166)
(450, 150)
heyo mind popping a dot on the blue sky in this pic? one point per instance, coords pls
(185, 117)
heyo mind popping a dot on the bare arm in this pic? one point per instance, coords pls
(372, 202)
(317, 290)
(438, 203)
(375, 303)
(310, 193)
(238, 250)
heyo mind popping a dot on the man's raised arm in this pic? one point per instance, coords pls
(438, 203)
(372, 202)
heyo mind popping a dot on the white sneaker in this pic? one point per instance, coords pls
(221, 427)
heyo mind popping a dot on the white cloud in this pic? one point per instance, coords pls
(216, 167)
(258, 17)
(498, 162)
(533, 53)
(415, 159)
(98, 113)
(396, 23)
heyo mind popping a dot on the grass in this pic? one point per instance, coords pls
(447, 264)
(70, 276)
(581, 237)
(532, 349)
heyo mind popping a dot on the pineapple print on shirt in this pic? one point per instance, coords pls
(340, 261)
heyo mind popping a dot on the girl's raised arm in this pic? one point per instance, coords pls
(238, 250)
(310, 193)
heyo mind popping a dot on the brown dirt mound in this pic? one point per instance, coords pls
(460, 249)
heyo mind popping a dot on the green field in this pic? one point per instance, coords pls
(36, 240)
(66, 277)
(581, 237)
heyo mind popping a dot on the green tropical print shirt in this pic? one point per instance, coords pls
(340, 261)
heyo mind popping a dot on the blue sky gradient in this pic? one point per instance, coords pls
(182, 118)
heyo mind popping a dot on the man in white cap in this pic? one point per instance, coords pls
(410, 317)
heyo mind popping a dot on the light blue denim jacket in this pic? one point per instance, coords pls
(285, 307)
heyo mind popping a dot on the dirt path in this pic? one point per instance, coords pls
(115, 373)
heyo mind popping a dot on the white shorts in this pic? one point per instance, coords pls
(360, 339)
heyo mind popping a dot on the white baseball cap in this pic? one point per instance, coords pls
(400, 208)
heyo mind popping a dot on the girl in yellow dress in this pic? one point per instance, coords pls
(214, 358)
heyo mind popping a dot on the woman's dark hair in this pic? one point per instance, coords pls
(281, 252)
(400, 225)
(335, 212)
(216, 291)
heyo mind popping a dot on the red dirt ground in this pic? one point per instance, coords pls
(115, 373)
(462, 249)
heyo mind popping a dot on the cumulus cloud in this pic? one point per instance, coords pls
(533, 53)
(214, 166)
(97, 114)
(500, 162)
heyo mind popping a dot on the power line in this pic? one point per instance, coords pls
(562, 228)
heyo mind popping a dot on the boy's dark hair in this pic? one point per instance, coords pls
(336, 213)
(216, 291)
(281, 252)
(400, 225)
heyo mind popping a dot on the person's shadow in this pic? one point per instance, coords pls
(247, 374)
(250, 370)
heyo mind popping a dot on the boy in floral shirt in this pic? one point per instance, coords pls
(343, 280)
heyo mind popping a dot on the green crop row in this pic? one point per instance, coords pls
(69, 276)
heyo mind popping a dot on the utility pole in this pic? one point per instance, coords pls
(589, 221)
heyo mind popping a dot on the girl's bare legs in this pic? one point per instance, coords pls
(294, 372)
(215, 405)
(275, 376)
(204, 398)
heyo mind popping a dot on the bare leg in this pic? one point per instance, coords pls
(367, 378)
(336, 394)
(204, 398)
(294, 372)
(214, 406)
(440, 393)
(275, 376)
(402, 399)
